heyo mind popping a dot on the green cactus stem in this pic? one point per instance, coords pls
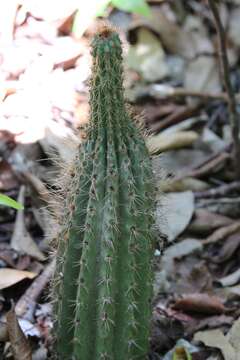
(103, 281)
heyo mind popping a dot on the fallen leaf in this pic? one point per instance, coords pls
(20, 346)
(205, 221)
(223, 232)
(188, 276)
(200, 303)
(21, 239)
(216, 339)
(178, 251)
(229, 249)
(177, 162)
(230, 279)
(185, 184)
(234, 26)
(181, 351)
(160, 143)
(212, 322)
(225, 205)
(147, 56)
(202, 75)
(40, 354)
(211, 141)
(178, 211)
(231, 292)
(9, 277)
(233, 336)
(165, 330)
(175, 39)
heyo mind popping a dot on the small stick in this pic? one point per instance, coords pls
(175, 118)
(205, 168)
(222, 233)
(218, 191)
(233, 115)
(25, 306)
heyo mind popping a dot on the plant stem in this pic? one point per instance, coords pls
(232, 106)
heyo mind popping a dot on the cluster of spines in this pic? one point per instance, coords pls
(104, 275)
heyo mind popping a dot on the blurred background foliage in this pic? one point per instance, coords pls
(93, 8)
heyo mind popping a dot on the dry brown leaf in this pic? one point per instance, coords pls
(200, 303)
(205, 221)
(185, 184)
(164, 142)
(228, 250)
(9, 277)
(21, 239)
(216, 339)
(222, 233)
(20, 346)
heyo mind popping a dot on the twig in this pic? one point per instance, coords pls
(213, 164)
(233, 115)
(175, 118)
(162, 91)
(218, 191)
(25, 306)
(222, 233)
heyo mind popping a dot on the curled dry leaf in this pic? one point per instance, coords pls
(182, 185)
(200, 303)
(228, 250)
(20, 347)
(231, 279)
(178, 140)
(9, 277)
(223, 232)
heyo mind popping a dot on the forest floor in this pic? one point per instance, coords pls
(173, 78)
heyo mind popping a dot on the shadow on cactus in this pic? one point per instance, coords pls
(103, 280)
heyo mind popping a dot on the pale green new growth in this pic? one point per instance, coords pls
(103, 281)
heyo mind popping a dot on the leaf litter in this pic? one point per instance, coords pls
(173, 76)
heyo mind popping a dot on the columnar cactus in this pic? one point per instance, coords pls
(103, 281)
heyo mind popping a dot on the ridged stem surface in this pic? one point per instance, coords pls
(104, 274)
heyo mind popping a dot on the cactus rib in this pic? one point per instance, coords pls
(104, 274)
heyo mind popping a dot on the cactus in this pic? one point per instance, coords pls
(103, 280)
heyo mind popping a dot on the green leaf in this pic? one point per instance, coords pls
(7, 201)
(181, 353)
(136, 6)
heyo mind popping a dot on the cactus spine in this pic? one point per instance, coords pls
(103, 278)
